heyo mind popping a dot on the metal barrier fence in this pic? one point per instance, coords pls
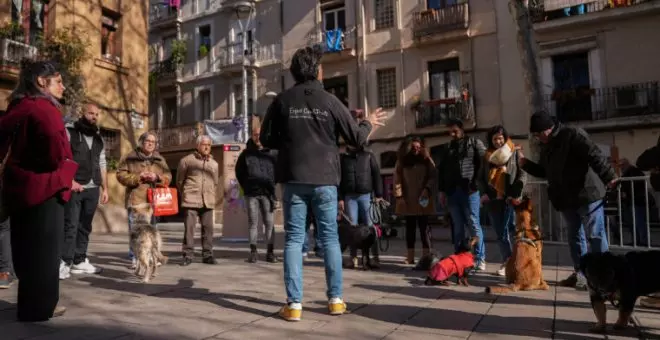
(632, 215)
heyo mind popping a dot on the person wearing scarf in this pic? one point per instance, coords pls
(501, 182)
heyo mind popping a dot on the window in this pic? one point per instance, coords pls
(444, 79)
(334, 18)
(202, 5)
(169, 112)
(384, 14)
(388, 159)
(238, 100)
(110, 39)
(167, 47)
(339, 87)
(111, 142)
(239, 39)
(386, 83)
(572, 86)
(204, 40)
(204, 97)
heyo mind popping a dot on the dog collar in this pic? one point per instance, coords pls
(528, 241)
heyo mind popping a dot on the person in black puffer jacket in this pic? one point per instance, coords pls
(649, 160)
(255, 172)
(360, 178)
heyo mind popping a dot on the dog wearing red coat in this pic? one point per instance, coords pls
(459, 265)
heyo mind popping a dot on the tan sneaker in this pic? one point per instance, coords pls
(336, 306)
(59, 311)
(291, 312)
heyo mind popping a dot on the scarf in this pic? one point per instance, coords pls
(85, 127)
(498, 158)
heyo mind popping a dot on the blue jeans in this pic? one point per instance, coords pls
(587, 220)
(464, 209)
(357, 208)
(315, 233)
(323, 200)
(502, 217)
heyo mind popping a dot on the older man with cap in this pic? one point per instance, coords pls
(577, 174)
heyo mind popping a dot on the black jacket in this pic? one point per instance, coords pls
(574, 167)
(360, 174)
(304, 123)
(459, 165)
(650, 160)
(255, 170)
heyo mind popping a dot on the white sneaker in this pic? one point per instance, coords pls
(65, 271)
(84, 268)
(481, 266)
(502, 270)
(133, 264)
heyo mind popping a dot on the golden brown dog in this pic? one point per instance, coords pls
(146, 244)
(524, 270)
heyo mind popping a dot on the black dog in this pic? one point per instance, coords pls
(360, 237)
(620, 279)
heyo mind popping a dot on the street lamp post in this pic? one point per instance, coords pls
(244, 8)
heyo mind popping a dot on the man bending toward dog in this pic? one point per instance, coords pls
(577, 175)
(304, 124)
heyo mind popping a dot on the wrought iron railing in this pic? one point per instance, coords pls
(546, 10)
(12, 52)
(440, 111)
(594, 104)
(257, 53)
(440, 20)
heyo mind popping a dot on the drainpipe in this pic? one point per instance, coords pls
(254, 91)
(363, 89)
(401, 82)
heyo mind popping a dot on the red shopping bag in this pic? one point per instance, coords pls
(164, 201)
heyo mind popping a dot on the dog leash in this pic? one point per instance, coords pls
(376, 214)
(604, 200)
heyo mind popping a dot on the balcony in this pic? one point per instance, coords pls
(166, 72)
(163, 16)
(179, 137)
(338, 45)
(618, 105)
(437, 24)
(547, 14)
(230, 58)
(11, 54)
(438, 112)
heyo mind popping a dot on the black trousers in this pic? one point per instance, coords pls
(421, 222)
(36, 236)
(78, 216)
(5, 248)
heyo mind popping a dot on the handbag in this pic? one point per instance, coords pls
(4, 213)
(164, 201)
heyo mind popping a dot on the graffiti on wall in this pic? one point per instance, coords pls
(234, 196)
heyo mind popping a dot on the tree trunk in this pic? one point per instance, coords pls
(527, 47)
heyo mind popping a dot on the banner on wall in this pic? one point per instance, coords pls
(221, 131)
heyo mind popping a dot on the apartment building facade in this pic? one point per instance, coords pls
(115, 74)
(424, 61)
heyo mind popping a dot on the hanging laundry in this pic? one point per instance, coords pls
(334, 40)
(175, 3)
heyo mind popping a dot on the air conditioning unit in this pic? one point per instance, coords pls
(630, 97)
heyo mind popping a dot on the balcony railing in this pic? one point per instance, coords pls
(179, 136)
(432, 21)
(545, 10)
(440, 111)
(258, 55)
(164, 69)
(12, 52)
(587, 104)
(162, 13)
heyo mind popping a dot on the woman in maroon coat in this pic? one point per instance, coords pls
(38, 178)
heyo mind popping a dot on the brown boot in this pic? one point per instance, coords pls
(426, 251)
(410, 258)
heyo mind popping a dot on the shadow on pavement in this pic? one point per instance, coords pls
(183, 289)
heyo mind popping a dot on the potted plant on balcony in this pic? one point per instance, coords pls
(203, 51)
(12, 31)
(179, 50)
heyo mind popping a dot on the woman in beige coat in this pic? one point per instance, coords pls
(414, 189)
(139, 171)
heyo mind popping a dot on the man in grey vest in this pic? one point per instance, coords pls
(89, 152)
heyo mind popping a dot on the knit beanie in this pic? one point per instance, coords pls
(540, 121)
